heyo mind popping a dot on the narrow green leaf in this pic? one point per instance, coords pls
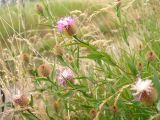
(95, 56)
(158, 106)
(156, 82)
(29, 116)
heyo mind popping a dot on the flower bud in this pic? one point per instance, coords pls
(92, 113)
(57, 106)
(140, 66)
(150, 56)
(25, 57)
(20, 100)
(44, 70)
(39, 9)
(114, 109)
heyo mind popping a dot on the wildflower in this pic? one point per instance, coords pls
(150, 56)
(20, 100)
(144, 91)
(67, 25)
(64, 75)
(44, 70)
(92, 113)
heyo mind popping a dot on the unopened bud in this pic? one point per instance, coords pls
(39, 9)
(150, 56)
(44, 70)
(56, 106)
(114, 109)
(21, 100)
(25, 57)
(92, 113)
(140, 66)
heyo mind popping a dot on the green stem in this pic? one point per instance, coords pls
(148, 65)
(78, 57)
(95, 49)
(85, 44)
(33, 114)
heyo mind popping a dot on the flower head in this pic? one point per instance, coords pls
(20, 100)
(44, 70)
(144, 91)
(66, 24)
(150, 56)
(114, 109)
(63, 75)
(140, 66)
(25, 57)
(92, 113)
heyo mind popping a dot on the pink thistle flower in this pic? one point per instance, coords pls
(66, 24)
(63, 75)
(144, 91)
(20, 100)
